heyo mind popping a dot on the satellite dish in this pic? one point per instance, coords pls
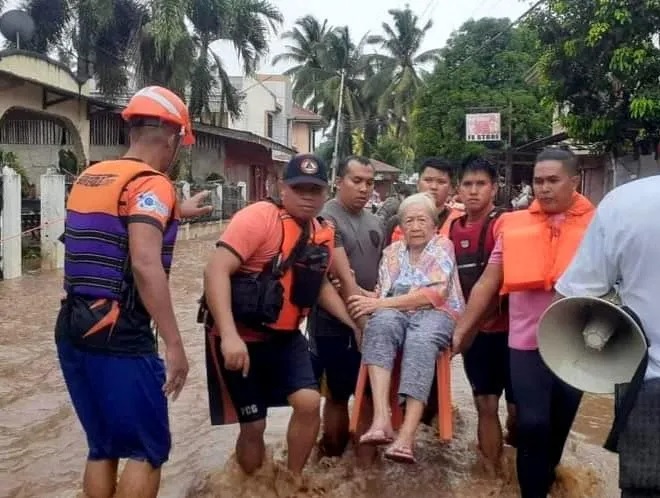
(17, 26)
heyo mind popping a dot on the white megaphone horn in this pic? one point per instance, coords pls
(591, 343)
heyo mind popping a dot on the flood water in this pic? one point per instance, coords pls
(42, 448)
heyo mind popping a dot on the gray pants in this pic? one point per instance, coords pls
(421, 335)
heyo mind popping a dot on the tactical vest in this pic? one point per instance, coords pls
(322, 235)
(472, 245)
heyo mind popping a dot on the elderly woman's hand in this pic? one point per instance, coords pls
(359, 306)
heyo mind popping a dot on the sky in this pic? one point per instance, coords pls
(367, 16)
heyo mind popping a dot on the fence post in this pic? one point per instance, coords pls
(243, 187)
(52, 221)
(220, 207)
(12, 257)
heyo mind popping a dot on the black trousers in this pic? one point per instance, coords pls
(546, 408)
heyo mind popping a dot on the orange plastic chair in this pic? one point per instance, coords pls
(443, 371)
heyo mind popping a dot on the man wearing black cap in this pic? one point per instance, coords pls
(264, 361)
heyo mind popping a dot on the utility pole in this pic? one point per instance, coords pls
(338, 126)
(508, 165)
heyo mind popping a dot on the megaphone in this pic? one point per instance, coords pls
(591, 343)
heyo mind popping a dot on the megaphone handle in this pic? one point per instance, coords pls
(598, 331)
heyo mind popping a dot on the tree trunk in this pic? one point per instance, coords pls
(370, 137)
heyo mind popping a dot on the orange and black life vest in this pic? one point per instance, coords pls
(287, 287)
(321, 236)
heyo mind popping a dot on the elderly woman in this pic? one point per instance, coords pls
(414, 312)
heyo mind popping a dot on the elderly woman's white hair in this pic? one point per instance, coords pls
(420, 199)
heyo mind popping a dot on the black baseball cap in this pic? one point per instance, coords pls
(306, 168)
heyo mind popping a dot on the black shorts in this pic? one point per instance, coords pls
(338, 358)
(279, 367)
(487, 365)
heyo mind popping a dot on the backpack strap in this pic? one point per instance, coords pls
(282, 267)
(481, 248)
(442, 217)
(461, 219)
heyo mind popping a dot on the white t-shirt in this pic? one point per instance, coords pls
(622, 246)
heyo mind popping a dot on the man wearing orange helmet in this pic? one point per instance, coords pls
(120, 230)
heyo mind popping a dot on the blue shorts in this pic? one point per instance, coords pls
(120, 403)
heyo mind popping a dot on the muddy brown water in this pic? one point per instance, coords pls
(42, 447)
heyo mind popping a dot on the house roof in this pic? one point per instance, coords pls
(246, 136)
(302, 115)
(382, 167)
(101, 102)
(543, 142)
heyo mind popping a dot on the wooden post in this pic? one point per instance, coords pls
(52, 221)
(12, 257)
(508, 176)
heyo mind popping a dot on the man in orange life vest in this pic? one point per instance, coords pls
(533, 249)
(435, 177)
(486, 362)
(257, 357)
(120, 231)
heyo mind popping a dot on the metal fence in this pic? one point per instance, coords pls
(225, 204)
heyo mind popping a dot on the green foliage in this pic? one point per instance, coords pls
(394, 152)
(473, 76)
(68, 162)
(164, 42)
(215, 177)
(379, 89)
(324, 151)
(11, 160)
(601, 65)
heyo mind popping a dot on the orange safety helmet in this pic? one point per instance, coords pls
(164, 105)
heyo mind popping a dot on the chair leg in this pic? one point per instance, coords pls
(445, 418)
(360, 387)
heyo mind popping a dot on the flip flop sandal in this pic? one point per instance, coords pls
(400, 455)
(376, 438)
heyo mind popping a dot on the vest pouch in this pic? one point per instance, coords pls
(256, 299)
(308, 273)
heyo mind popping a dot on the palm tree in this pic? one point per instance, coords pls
(246, 23)
(305, 49)
(341, 54)
(96, 34)
(401, 66)
(166, 45)
(149, 41)
(321, 54)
